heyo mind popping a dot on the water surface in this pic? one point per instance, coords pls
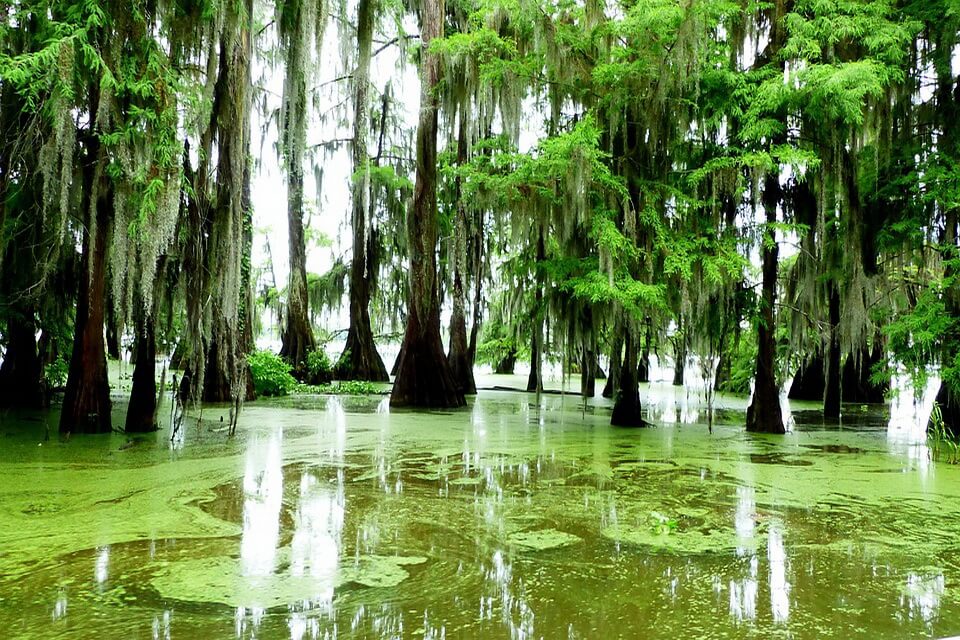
(515, 518)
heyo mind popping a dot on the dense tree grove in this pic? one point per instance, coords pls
(753, 190)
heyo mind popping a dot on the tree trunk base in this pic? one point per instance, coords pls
(423, 375)
(764, 415)
(809, 382)
(360, 360)
(507, 365)
(22, 370)
(296, 344)
(142, 411)
(949, 404)
(855, 382)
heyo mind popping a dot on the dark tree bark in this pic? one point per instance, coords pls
(360, 359)
(949, 404)
(86, 403)
(113, 334)
(764, 413)
(225, 378)
(507, 364)
(616, 362)
(22, 368)
(809, 382)
(627, 411)
(855, 382)
(588, 357)
(477, 257)
(424, 378)
(461, 366)
(831, 393)
(535, 379)
(142, 410)
(297, 336)
(680, 357)
(643, 367)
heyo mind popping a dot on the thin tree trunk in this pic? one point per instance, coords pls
(588, 358)
(460, 365)
(764, 413)
(831, 394)
(680, 357)
(535, 379)
(113, 333)
(477, 254)
(643, 367)
(424, 378)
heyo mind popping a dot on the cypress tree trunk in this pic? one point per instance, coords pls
(360, 360)
(588, 358)
(627, 411)
(297, 336)
(679, 367)
(113, 333)
(506, 364)
(535, 379)
(643, 367)
(477, 256)
(809, 382)
(86, 403)
(225, 367)
(424, 378)
(855, 382)
(461, 365)
(831, 394)
(616, 362)
(764, 413)
(22, 368)
(142, 411)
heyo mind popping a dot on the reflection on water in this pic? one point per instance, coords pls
(518, 518)
(263, 495)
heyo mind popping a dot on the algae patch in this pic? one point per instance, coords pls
(220, 580)
(543, 539)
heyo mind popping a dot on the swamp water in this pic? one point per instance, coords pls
(334, 517)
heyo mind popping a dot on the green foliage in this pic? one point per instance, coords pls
(342, 388)
(942, 439)
(742, 361)
(55, 373)
(319, 366)
(271, 374)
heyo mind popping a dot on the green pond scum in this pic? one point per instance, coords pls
(517, 517)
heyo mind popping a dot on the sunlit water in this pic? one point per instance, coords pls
(515, 518)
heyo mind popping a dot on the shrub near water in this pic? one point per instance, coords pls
(271, 374)
(319, 367)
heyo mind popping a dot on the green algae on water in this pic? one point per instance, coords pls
(543, 539)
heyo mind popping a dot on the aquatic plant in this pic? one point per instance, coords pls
(319, 367)
(941, 438)
(271, 374)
